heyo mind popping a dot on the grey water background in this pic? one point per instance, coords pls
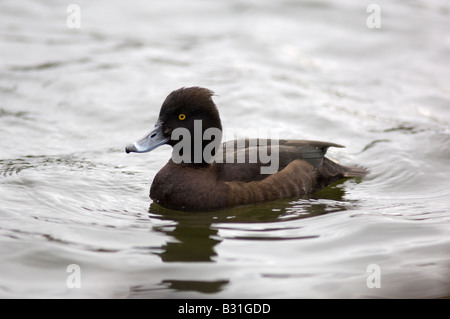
(71, 99)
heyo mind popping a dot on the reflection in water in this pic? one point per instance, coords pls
(192, 243)
(207, 287)
(194, 236)
(196, 233)
(204, 287)
(192, 239)
(71, 161)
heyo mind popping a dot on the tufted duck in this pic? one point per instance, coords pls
(200, 175)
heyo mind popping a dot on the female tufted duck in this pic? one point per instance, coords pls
(201, 175)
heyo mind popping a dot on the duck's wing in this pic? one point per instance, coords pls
(309, 143)
(242, 160)
(311, 151)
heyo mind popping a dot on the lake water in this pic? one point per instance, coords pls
(76, 219)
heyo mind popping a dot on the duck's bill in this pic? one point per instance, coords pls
(150, 141)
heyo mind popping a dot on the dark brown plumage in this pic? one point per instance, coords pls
(199, 186)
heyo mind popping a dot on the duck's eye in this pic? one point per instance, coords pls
(181, 117)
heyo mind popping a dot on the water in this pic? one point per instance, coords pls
(71, 99)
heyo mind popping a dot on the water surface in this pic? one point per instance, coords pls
(71, 99)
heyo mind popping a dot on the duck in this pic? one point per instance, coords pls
(204, 174)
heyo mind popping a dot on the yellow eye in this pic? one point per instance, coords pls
(181, 117)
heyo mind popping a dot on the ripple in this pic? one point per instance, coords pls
(48, 65)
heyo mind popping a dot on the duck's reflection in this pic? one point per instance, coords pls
(194, 236)
(206, 287)
(192, 239)
(166, 286)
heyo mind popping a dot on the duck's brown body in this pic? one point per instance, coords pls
(221, 185)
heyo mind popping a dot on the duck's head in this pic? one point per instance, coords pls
(186, 113)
